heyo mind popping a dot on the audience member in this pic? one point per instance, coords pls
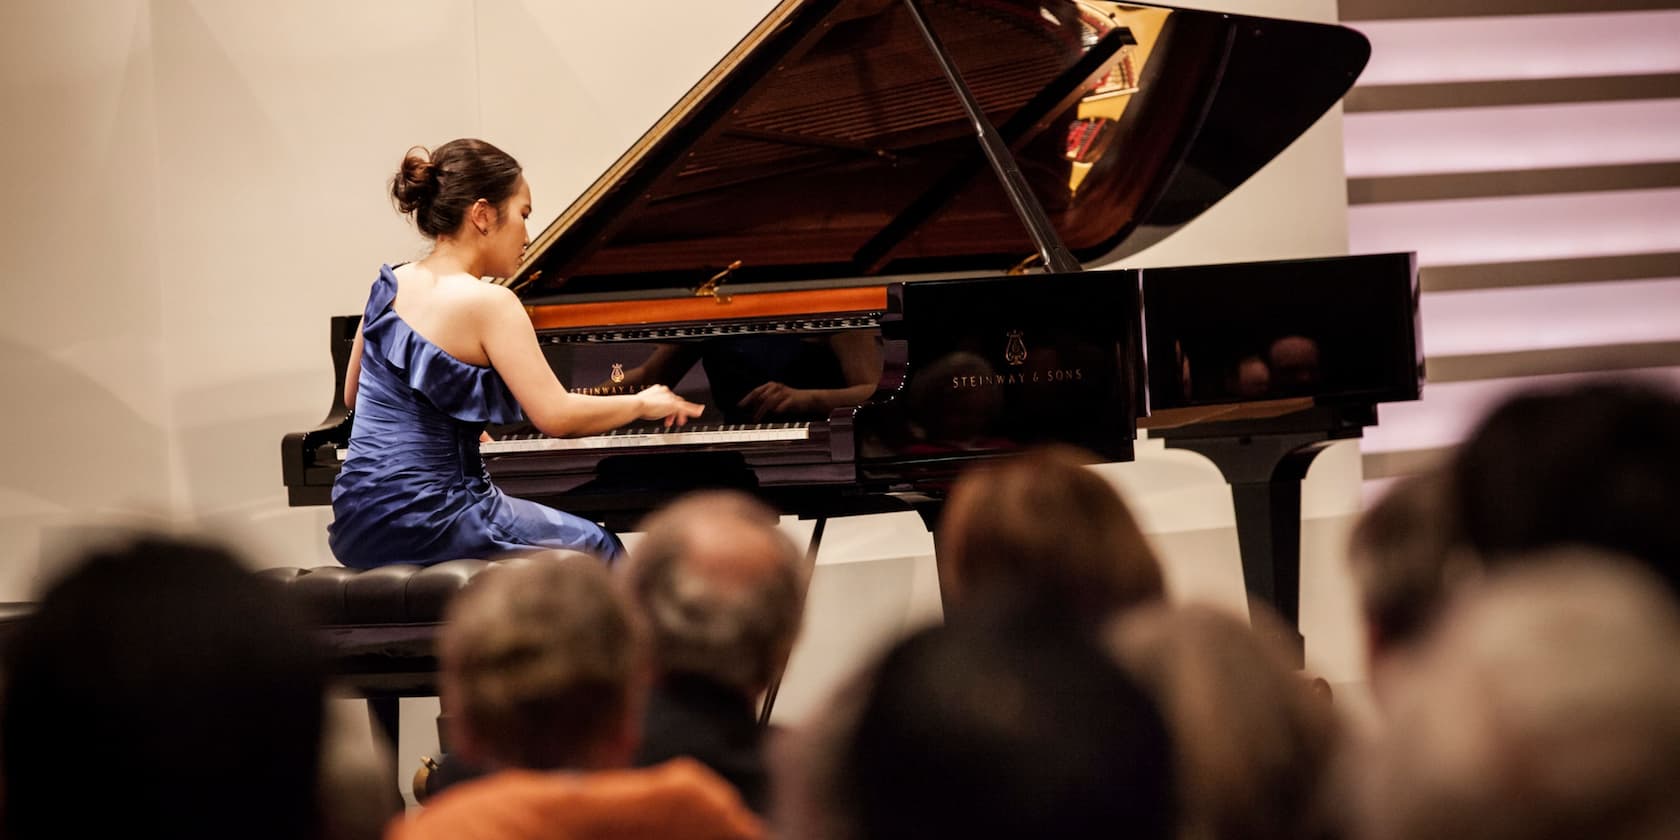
(1253, 740)
(983, 730)
(722, 592)
(1042, 531)
(1406, 557)
(544, 674)
(161, 690)
(1545, 706)
(1595, 464)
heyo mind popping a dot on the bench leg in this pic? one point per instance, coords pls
(383, 713)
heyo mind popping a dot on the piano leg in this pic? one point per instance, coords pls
(810, 569)
(1265, 473)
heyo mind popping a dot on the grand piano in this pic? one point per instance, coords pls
(862, 242)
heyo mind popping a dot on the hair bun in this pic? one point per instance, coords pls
(439, 187)
(416, 182)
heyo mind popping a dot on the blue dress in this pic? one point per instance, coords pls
(413, 489)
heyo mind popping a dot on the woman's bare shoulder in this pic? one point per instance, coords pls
(484, 301)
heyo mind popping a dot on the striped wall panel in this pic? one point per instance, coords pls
(1529, 151)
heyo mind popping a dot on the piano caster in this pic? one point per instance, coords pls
(421, 785)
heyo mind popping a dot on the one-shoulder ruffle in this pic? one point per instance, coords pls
(467, 392)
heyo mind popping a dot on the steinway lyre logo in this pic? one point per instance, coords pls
(618, 372)
(1015, 352)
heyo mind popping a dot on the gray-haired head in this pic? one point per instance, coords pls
(1546, 705)
(541, 659)
(720, 588)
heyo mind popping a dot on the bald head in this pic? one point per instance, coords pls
(721, 589)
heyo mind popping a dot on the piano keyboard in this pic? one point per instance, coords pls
(629, 438)
(625, 438)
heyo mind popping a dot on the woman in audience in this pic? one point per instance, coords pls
(439, 355)
(1043, 532)
(160, 690)
(1253, 739)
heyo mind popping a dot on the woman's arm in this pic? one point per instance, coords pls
(510, 343)
(353, 372)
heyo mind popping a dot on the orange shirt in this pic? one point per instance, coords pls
(677, 800)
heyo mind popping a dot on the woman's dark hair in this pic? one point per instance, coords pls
(1594, 464)
(439, 187)
(183, 682)
(1000, 728)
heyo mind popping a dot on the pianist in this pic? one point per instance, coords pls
(439, 355)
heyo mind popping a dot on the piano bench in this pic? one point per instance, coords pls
(379, 626)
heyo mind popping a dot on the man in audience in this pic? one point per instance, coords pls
(543, 670)
(1253, 740)
(1043, 533)
(1545, 706)
(984, 729)
(721, 591)
(161, 690)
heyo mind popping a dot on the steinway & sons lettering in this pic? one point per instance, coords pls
(1024, 377)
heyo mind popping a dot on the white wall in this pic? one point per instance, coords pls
(193, 187)
(87, 412)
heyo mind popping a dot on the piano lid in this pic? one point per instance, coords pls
(828, 146)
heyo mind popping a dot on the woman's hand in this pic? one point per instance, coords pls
(659, 402)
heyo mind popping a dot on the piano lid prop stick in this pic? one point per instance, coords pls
(1056, 255)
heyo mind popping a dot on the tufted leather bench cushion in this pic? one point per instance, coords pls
(397, 594)
(380, 625)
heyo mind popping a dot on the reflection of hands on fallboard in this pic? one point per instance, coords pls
(858, 355)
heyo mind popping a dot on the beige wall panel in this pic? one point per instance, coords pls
(568, 87)
(80, 312)
(278, 127)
